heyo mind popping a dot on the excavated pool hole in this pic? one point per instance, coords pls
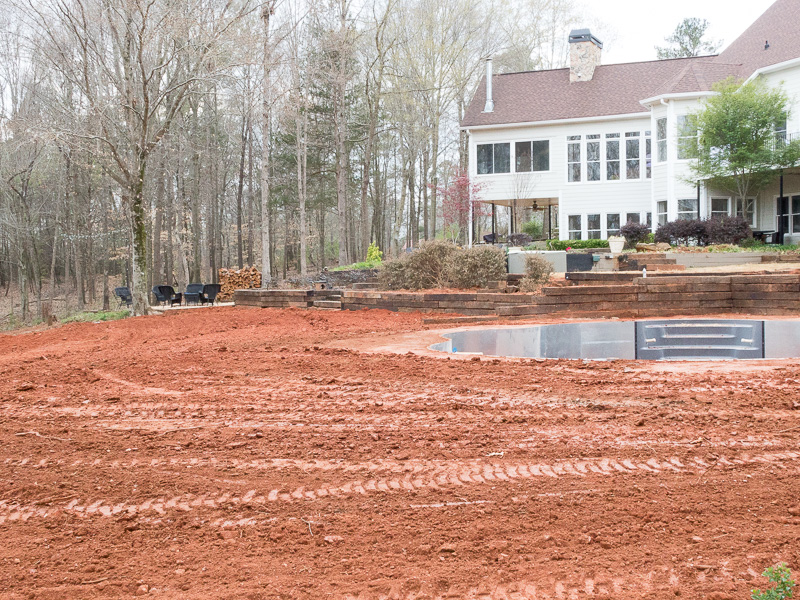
(666, 339)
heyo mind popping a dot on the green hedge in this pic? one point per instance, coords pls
(576, 244)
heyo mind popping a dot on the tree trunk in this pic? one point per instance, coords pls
(267, 10)
(239, 194)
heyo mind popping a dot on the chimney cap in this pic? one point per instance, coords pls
(584, 35)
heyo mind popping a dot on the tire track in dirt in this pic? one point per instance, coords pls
(446, 476)
(591, 585)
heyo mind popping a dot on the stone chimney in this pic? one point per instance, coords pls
(489, 106)
(584, 55)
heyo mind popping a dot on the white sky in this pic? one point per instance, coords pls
(632, 28)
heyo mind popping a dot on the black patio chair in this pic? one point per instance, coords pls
(210, 291)
(124, 296)
(193, 293)
(165, 294)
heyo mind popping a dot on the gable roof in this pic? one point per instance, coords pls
(535, 96)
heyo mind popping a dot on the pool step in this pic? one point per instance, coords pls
(699, 339)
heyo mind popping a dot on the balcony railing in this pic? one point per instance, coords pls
(782, 138)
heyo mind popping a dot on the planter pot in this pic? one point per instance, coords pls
(616, 246)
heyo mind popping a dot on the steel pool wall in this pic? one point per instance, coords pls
(675, 339)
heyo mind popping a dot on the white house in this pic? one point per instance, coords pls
(599, 143)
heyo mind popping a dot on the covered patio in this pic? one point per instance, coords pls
(548, 206)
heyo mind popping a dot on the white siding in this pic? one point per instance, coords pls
(601, 197)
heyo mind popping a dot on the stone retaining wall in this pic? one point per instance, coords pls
(651, 296)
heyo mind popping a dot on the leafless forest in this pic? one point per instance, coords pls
(151, 141)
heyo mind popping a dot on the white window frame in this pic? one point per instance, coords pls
(717, 213)
(682, 128)
(612, 138)
(648, 155)
(662, 216)
(570, 230)
(494, 160)
(662, 150)
(598, 231)
(628, 216)
(530, 143)
(577, 141)
(610, 232)
(740, 213)
(594, 139)
(688, 215)
(634, 136)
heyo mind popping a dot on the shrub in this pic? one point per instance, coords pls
(374, 254)
(634, 233)
(576, 244)
(537, 272)
(426, 267)
(441, 264)
(476, 267)
(392, 274)
(533, 229)
(727, 230)
(781, 576)
(683, 232)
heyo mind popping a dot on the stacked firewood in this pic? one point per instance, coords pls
(237, 279)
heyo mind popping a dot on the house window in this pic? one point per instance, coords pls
(593, 227)
(687, 136)
(593, 158)
(795, 214)
(612, 157)
(633, 218)
(661, 212)
(747, 210)
(574, 227)
(648, 155)
(612, 224)
(494, 158)
(687, 208)
(719, 208)
(780, 130)
(661, 139)
(650, 218)
(632, 156)
(574, 158)
(532, 156)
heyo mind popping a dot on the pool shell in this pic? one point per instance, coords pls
(631, 340)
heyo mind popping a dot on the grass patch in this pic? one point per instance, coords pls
(359, 266)
(90, 317)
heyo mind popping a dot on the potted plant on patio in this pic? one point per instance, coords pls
(616, 243)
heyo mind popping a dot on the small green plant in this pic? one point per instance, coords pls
(781, 576)
(357, 266)
(87, 317)
(374, 254)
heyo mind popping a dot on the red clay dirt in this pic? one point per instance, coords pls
(235, 453)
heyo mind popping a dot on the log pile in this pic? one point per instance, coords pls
(237, 279)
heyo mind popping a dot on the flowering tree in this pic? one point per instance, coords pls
(456, 196)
